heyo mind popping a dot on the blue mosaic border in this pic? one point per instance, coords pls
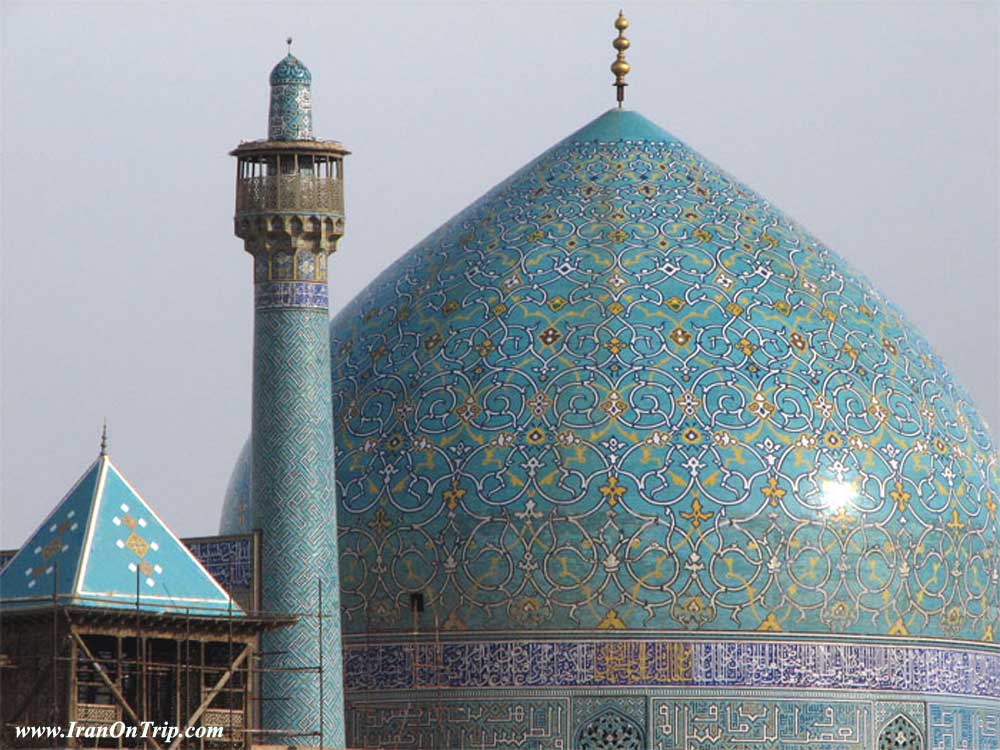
(564, 664)
(691, 720)
(291, 294)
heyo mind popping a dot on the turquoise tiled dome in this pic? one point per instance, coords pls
(623, 391)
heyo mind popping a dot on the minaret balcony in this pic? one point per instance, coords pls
(290, 193)
(290, 177)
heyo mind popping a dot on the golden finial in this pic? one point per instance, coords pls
(619, 67)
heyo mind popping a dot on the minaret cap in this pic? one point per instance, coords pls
(290, 116)
(619, 67)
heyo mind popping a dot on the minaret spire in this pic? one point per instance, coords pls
(104, 438)
(619, 67)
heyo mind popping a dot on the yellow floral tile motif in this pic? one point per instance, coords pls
(611, 621)
(612, 491)
(770, 624)
(695, 515)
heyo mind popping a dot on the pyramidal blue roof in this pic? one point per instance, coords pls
(103, 546)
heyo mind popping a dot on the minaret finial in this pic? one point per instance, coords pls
(619, 67)
(104, 438)
(288, 41)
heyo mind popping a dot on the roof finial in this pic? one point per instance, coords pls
(619, 67)
(288, 41)
(104, 438)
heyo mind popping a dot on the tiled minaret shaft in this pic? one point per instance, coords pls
(290, 214)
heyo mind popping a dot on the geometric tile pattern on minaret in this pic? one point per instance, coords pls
(293, 481)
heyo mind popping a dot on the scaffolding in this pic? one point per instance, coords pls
(427, 677)
(90, 664)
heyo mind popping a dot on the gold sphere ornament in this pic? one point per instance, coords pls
(619, 67)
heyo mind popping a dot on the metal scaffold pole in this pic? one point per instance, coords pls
(319, 615)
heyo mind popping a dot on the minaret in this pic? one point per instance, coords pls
(290, 214)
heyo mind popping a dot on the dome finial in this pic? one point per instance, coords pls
(288, 41)
(104, 438)
(619, 67)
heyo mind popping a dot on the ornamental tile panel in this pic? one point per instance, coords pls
(584, 663)
(230, 561)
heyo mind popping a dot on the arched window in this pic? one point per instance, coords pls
(900, 734)
(611, 730)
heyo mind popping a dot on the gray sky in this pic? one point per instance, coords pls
(125, 294)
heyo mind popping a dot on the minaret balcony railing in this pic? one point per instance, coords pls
(292, 193)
